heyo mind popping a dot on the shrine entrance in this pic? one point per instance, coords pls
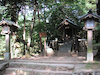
(68, 41)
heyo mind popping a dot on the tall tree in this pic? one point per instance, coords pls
(97, 35)
(33, 19)
(98, 7)
(24, 31)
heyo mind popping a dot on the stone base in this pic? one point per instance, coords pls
(90, 57)
(6, 56)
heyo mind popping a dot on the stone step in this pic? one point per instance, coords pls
(82, 53)
(58, 60)
(42, 66)
(3, 66)
(23, 71)
(60, 53)
(54, 62)
(28, 71)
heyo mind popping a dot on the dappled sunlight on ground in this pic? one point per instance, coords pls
(13, 73)
(59, 59)
(80, 57)
(18, 72)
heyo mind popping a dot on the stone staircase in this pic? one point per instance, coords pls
(41, 66)
(48, 66)
(3, 66)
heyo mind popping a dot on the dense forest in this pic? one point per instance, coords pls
(35, 16)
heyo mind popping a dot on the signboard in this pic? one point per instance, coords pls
(42, 34)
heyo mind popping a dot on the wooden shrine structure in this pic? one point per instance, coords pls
(68, 29)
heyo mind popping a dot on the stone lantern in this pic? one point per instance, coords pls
(8, 27)
(90, 20)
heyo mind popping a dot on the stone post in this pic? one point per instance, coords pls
(7, 54)
(90, 46)
(45, 48)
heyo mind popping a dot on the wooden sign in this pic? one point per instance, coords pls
(42, 34)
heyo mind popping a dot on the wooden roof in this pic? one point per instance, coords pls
(9, 23)
(90, 15)
(67, 22)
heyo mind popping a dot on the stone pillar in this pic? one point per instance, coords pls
(7, 53)
(64, 35)
(45, 52)
(90, 46)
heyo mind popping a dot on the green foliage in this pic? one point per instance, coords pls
(51, 14)
(94, 65)
(91, 4)
(2, 45)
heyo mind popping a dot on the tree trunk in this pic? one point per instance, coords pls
(33, 21)
(97, 39)
(30, 38)
(45, 52)
(28, 46)
(24, 34)
(98, 7)
(39, 36)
